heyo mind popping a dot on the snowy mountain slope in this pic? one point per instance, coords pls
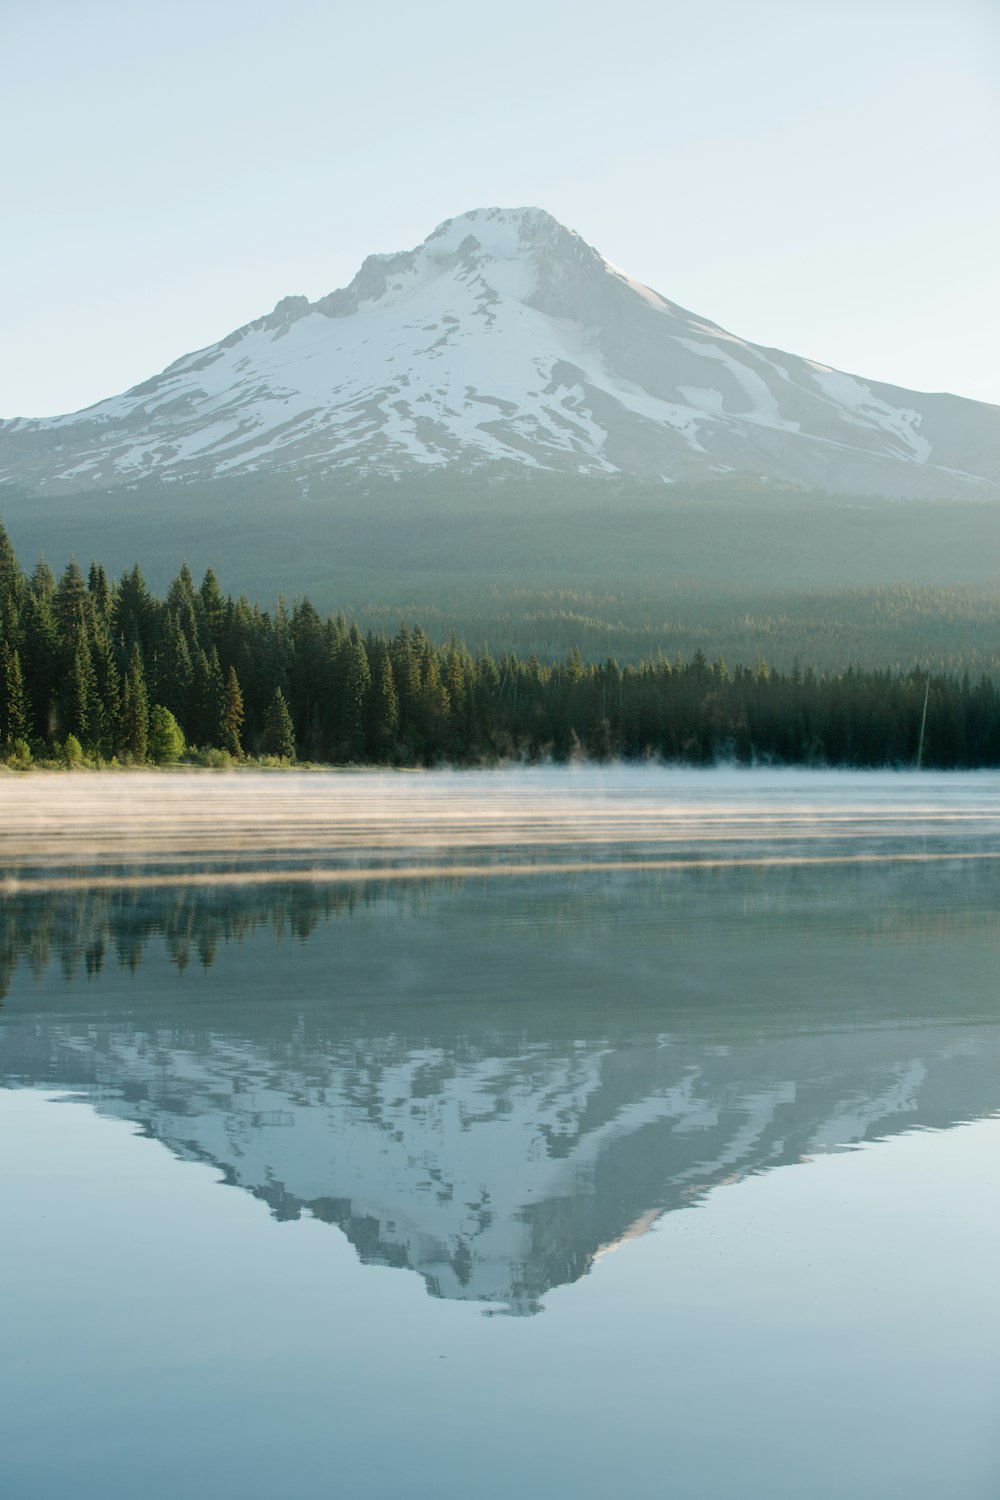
(505, 338)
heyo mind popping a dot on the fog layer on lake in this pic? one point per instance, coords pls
(267, 825)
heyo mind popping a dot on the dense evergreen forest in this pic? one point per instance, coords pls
(542, 563)
(98, 671)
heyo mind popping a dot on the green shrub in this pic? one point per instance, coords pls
(212, 758)
(165, 743)
(18, 754)
(72, 752)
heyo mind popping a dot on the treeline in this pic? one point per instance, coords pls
(101, 671)
(949, 630)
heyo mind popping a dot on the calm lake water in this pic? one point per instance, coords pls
(581, 1134)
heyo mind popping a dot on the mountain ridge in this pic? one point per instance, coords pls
(504, 338)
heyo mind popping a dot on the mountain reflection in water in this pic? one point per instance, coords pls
(493, 1083)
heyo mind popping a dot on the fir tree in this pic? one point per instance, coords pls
(232, 716)
(100, 594)
(406, 671)
(181, 591)
(43, 580)
(41, 663)
(71, 604)
(383, 712)
(176, 674)
(279, 736)
(434, 705)
(135, 708)
(80, 709)
(11, 585)
(212, 609)
(355, 680)
(108, 692)
(131, 611)
(13, 703)
(204, 721)
(9, 566)
(306, 673)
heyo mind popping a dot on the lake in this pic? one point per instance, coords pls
(564, 1133)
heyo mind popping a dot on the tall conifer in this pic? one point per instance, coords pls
(100, 593)
(108, 690)
(43, 580)
(80, 714)
(41, 663)
(279, 736)
(212, 608)
(135, 708)
(232, 716)
(383, 710)
(71, 605)
(13, 702)
(355, 686)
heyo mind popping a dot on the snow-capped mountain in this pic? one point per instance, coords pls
(504, 337)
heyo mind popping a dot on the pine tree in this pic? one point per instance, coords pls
(204, 721)
(176, 675)
(43, 580)
(80, 709)
(383, 711)
(11, 583)
(213, 608)
(232, 716)
(41, 664)
(242, 638)
(108, 691)
(13, 703)
(280, 646)
(457, 666)
(279, 736)
(485, 698)
(100, 593)
(135, 708)
(131, 611)
(306, 673)
(406, 672)
(181, 591)
(434, 705)
(9, 567)
(71, 604)
(354, 676)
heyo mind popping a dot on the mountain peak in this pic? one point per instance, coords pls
(518, 245)
(491, 235)
(502, 232)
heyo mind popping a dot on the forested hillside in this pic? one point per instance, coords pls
(547, 563)
(100, 670)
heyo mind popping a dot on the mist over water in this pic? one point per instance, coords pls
(183, 827)
(402, 1050)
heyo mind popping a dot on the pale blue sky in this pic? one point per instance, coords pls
(819, 175)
